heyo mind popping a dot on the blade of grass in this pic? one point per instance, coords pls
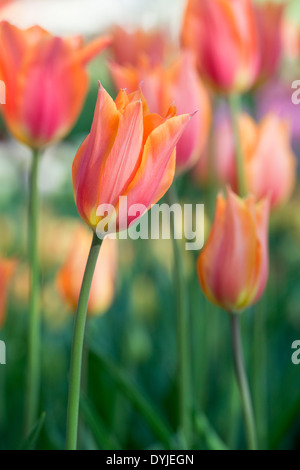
(101, 435)
(280, 429)
(125, 384)
(30, 442)
(205, 430)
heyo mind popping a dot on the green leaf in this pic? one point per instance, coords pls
(30, 441)
(101, 435)
(205, 430)
(130, 390)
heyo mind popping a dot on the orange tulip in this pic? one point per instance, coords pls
(269, 17)
(129, 152)
(129, 47)
(233, 265)
(69, 277)
(46, 82)
(7, 268)
(163, 85)
(223, 34)
(267, 151)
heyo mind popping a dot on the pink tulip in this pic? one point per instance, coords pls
(269, 16)
(223, 34)
(269, 162)
(128, 47)
(233, 265)
(178, 83)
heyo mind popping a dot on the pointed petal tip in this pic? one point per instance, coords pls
(193, 114)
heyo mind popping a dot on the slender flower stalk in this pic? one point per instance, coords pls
(234, 105)
(243, 382)
(183, 337)
(33, 374)
(77, 347)
(129, 152)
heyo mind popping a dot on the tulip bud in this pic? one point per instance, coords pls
(233, 265)
(45, 80)
(129, 153)
(266, 149)
(223, 34)
(69, 277)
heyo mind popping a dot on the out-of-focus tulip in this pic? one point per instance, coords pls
(164, 85)
(54, 246)
(277, 97)
(270, 161)
(269, 16)
(46, 82)
(233, 265)
(217, 162)
(7, 269)
(129, 47)
(270, 164)
(224, 36)
(69, 278)
(4, 3)
(290, 38)
(129, 152)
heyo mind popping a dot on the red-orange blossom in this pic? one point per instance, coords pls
(129, 152)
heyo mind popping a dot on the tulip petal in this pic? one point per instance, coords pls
(124, 157)
(272, 155)
(92, 49)
(209, 255)
(262, 221)
(12, 44)
(124, 77)
(150, 179)
(90, 158)
(53, 91)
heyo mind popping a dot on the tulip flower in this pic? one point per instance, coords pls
(46, 82)
(45, 87)
(266, 149)
(7, 269)
(233, 265)
(70, 275)
(128, 47)
(224, 36)
(269, 16)
(233, 271)
(161, 85)
(129, 152)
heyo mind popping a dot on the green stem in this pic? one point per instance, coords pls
(34, 340)
(77, 347)
(234, 105)
(242, 382)
(184, 355)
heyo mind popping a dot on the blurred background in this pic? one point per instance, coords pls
(131, 351)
